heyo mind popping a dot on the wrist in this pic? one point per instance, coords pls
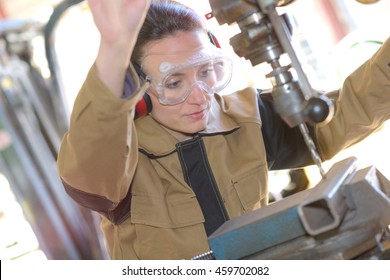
(111, 65)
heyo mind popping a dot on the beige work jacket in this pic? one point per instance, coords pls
(132, 171)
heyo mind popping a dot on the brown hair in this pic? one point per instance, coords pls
(165, 18)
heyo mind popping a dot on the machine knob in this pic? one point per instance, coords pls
(319, 110)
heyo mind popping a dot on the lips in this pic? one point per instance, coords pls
(198, 115)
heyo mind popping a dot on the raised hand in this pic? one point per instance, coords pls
(118, 22)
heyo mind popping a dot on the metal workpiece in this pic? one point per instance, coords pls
(345, 216)
(325, 207)
(259, 230)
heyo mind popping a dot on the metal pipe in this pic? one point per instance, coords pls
(325, 207)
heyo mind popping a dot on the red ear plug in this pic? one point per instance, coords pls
(143, 107)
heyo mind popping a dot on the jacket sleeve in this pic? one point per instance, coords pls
(98, 155)
(362, 107)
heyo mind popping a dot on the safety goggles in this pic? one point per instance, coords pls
(209, 69)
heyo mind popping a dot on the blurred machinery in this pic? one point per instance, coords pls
(32, 121)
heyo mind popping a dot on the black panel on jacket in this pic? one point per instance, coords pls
(200, 178)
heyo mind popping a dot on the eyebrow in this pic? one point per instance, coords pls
(177, 74)
(198, 67)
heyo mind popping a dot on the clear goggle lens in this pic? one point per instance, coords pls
(211, 75)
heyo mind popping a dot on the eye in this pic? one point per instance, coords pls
(206, 70)
(173, 83)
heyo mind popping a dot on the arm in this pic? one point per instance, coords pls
(98, 155)
(119, 23)
(362, 107)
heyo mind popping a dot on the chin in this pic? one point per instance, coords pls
(192, 127)
(195, 128)
(195, 131)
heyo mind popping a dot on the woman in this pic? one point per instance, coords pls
(164, 182)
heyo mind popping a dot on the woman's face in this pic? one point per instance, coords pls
(191, 115)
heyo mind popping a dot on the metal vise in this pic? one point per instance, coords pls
(346, 216)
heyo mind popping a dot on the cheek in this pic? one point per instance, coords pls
(166, 115)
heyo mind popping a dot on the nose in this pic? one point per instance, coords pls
(197, 95)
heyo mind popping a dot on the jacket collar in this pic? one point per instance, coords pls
(156, 141)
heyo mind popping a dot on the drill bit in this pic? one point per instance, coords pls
(312, 148)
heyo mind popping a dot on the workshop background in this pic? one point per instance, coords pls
(46, 49)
